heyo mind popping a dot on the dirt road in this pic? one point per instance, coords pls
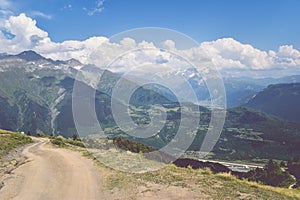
(52, 173)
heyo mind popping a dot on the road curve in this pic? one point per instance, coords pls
(52, 173)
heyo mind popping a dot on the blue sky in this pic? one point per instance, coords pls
(265, 24)
(238, 36)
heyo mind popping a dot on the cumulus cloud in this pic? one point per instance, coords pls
(21, 33)
(26, 34)
(287, 55)
(229, 53)
(169, 44)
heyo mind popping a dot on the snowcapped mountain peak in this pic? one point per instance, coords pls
(30, 60)
(30, 56)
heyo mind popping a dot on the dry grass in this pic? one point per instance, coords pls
(169, 182)
(172, 182)
(10, 140)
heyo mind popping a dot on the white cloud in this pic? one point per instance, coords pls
(39, 14)
(5, 4)
(26, 34)
(6, 10)
(68, 7)
(228, 55)
(231, 56)
(169, 45)
(9, 8)
(97, 9)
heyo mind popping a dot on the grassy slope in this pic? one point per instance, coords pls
(172, 182)
(10, 140)
(200, 184)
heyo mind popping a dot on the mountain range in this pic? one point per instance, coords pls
(281, 100)
(36, 97)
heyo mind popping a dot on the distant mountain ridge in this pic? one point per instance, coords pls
(36, 97)
(281, 100)
(32, 56)
(239, 90)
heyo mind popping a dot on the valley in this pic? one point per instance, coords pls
(168, 100)
(40, 102)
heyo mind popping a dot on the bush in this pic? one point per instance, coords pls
(135, 147)
(271, 174)
(75, 143)
(58, 141)
(294, 168)
(61, 141)
(196, 164)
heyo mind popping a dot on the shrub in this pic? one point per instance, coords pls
(271, 174)
(75, 143)
(58, 141)
(133, 146)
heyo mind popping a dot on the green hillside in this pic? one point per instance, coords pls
(281, 100)
(39, 101)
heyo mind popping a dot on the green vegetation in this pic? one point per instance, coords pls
(62, 142)
(10, 140)
(251, 135)
(28, 102)
(135, 147)
(248, 135)
(196, 164)
(272, 174)
(59, 141)
(281, 100)
(294, 168)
